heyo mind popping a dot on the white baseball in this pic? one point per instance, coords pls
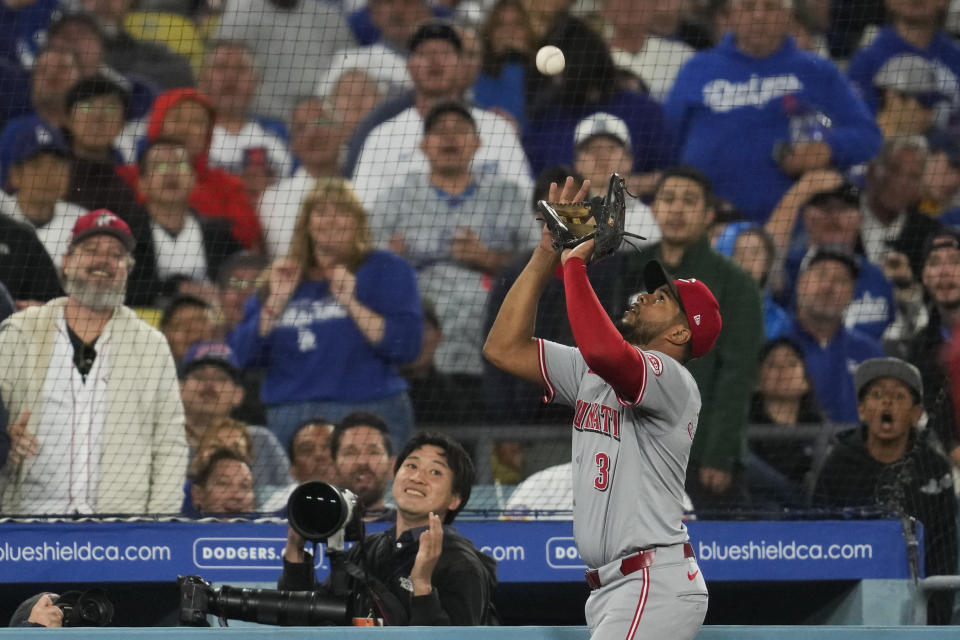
(550, 60)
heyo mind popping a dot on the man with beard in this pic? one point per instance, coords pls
(99, 426)
(825, 288)
(363, 457)
(637, 408)
(683, 207)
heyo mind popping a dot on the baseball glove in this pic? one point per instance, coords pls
(601, 219)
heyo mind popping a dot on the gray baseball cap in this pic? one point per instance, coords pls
(912, 75)
(874, 368)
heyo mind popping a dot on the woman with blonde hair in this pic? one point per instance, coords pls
(333, 321)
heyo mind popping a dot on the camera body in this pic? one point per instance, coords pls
(319, 512)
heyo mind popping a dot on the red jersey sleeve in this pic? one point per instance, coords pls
(603, 348)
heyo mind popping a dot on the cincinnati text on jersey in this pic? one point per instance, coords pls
(599, 418)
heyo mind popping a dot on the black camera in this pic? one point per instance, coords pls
(319, 512)
(89, 608)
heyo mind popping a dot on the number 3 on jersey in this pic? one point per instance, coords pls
(603, 472)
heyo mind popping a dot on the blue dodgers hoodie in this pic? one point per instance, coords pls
(942, 52)
(727, 110)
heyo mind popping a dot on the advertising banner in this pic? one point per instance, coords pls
(525, 551)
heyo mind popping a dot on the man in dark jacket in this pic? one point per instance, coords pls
(683, 207)
(438, 576)
(888, 463)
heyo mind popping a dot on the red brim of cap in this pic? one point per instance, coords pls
(126, 239)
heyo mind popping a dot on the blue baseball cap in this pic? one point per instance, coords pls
(26, 138)
(212, 352)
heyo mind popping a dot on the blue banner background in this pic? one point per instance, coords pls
(526, 551)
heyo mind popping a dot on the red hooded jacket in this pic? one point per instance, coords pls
(217, 194)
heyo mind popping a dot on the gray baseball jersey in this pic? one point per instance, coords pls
(629, 454)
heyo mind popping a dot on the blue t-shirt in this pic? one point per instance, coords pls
(831, 368)
(728, 110)
(315, 350)
(506, 91)
(872, 308)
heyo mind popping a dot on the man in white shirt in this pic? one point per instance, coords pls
(386, 59)
(244, 144)
(37, 173)
(654, 59)
(891, 222)
(392, 150)
(99, 422)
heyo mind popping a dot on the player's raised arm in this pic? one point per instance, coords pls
(510, 344)
(600, 343)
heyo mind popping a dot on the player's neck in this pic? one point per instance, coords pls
(665, 347)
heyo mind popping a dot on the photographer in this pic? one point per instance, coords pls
(38, 611)
(438, 576)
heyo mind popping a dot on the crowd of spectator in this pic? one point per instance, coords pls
(319, 207)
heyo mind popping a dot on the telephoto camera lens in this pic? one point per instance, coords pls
(317, 510)
(285, 608)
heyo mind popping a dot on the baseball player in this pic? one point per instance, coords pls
(635, 416)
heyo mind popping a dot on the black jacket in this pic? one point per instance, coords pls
(920, 484)
(96, 185)
(25, 266)
(145, 285)
(463, 580)
(924, 352)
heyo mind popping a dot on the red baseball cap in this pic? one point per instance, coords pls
(102, 221)
(697, 302)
